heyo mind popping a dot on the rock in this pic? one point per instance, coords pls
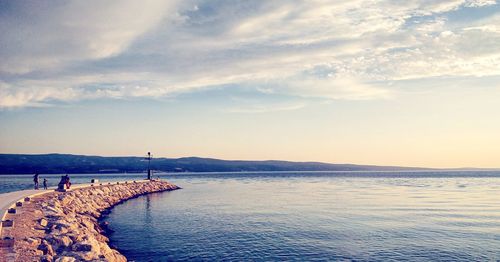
(61, 230)
(64, 225)
(53, 211)
(65, 259)
(82, 247)
(90, 244)
(46, 248)
(90, 256)
(76, 237)
(87, 223)
(65, 201)
(43, 222)
(62, 242)
(46, 258)
(102, 238)
(33, 241)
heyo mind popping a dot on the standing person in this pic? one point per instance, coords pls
(68, 184)
(62, 182)
(35, 180)
(45, 183)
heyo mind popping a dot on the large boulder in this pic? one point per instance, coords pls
(46, 248)
(46, 258)
(33, 241)
(43, 222)
(65, 259)
(89, 244)
(62, 242)
(52, 211)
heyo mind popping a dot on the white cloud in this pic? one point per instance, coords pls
(478, 3)
(12, 96)
(41, 34)
(259, 108)
(334, 50)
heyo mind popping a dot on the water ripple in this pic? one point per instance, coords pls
(314, 219)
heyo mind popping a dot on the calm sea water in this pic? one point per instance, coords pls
(445, 216)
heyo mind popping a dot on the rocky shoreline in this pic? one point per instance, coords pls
(64, 226)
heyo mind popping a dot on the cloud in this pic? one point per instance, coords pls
(334, 50)
(44, 34)
(35, 96)
(259, 108)
(479, 3)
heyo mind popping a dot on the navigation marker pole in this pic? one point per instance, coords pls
(149, 157)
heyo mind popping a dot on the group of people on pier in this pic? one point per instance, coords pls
(65, 181)
(35, 180)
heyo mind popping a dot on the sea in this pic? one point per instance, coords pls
(306, 216)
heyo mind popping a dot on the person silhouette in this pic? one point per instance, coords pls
(35, 180)
(62, 183)
(66, 180)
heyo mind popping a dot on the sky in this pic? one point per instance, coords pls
(409, 83)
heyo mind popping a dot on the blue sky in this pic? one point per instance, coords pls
(371, 82)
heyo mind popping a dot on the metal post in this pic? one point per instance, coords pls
(149, 165)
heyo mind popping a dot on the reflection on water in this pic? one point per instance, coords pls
(311, 217)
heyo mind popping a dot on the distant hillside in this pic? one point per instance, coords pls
(65, 163)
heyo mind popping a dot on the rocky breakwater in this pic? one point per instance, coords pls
(63, 226)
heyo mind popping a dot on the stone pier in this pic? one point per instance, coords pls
(63, 226)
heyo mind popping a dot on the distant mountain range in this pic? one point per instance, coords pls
(80, 164)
